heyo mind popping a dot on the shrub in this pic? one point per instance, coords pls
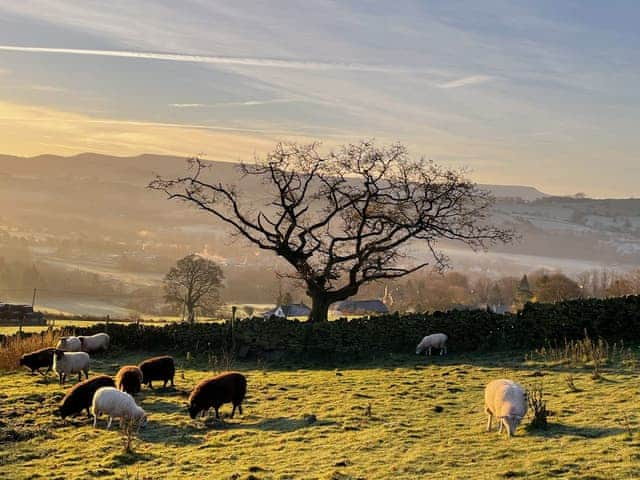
(14, 346)
(129, 428)
(538, 406)
(583, 352)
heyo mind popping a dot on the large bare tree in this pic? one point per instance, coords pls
(344, 218)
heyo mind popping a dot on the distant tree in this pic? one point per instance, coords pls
(285, 299)
(248, 310)
(556, 287)
(495, 297)
(194, 283)
(341, 220)
(523, 293)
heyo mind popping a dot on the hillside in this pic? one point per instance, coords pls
(92, 213)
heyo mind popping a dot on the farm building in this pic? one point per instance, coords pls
(286, 311)
(11, 314)
(359, 307)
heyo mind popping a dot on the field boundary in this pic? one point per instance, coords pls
(536, 325)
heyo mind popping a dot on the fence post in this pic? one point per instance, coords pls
(233, 319)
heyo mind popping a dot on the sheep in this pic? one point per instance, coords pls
(66, 363)
(80, 396)
(116, 404)
(94, 343)
(157, 368)
(435, 340)
(129, 379)
(38, 359)
(69, 344)
(213, 392)
(507, 401)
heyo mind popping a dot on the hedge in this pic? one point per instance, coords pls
(536, 325)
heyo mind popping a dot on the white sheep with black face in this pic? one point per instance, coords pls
(116, 404)
(435, 340)
(507, 401)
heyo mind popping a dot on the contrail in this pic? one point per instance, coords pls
(463, 82)
(215, 60)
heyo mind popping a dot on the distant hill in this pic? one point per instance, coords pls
(140, 169)
(100, 198)
(528, 194)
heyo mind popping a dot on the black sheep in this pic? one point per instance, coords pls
(213, 392)
(80, 396)
(38, 359)
(157, 368)
(129, 379)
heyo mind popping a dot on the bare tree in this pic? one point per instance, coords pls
(194, 283)
(342, 219)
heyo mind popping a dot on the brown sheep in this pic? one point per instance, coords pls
(38, 359)
(213, 392)
(129, 379)
(80, 396)
(158, 368)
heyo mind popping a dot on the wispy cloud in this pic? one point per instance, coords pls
(216, 60)
(188, 105)
(466, 81)
(248, 103)
(48, 88)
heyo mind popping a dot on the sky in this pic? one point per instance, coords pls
(540, 93)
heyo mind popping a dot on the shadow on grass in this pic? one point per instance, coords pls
(279, 424)
(129, 458)
(560, 430)
(159, 404)
(160, 432)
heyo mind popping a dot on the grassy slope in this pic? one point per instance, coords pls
(403, 438)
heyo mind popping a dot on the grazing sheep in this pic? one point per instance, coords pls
(213, 392)
(436, 340)
(507, 401)
(94, 343)
(158, 368)
(80, 396)
(69, 344)
(66, 363)
(38, 359)
(129, 379)
(116, 404)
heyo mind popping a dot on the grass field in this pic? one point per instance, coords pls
(401, 418)
(70, 323)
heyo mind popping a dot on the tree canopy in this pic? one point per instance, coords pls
(194, 284)
(345, 218)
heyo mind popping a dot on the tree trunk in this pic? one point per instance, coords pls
(319, 308)
(191, 314)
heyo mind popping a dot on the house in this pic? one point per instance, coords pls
(499, 308)
(286, 311)
(359, 307)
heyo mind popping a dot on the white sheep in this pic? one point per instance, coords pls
(69, 344)
(116, 404)
(66, 363)
(435, 340)
(507, 401)
(94, 343)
